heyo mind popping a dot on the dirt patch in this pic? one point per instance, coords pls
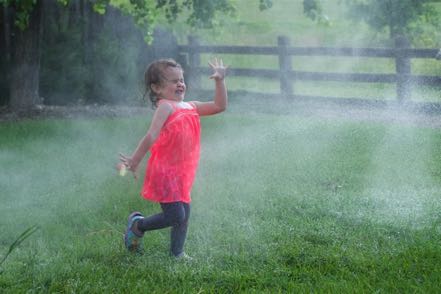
(71, 112)
(390, 115)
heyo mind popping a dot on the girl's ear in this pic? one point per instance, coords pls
(156, 88)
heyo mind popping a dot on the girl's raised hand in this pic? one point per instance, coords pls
(219, 70)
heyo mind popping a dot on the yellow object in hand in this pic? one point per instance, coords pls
(122, 170)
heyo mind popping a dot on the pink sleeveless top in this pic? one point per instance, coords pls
(174, 158)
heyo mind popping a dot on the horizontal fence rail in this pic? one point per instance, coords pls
(402, 54)
(312, 51)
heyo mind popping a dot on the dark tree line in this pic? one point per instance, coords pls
(70, 55)
(64, 51)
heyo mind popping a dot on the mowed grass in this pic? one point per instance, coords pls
(282, 203)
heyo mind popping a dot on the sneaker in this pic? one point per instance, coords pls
(184, 257)
(131, 240)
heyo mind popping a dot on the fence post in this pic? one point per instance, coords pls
(402, 66)
(194, 62)
(285, 67)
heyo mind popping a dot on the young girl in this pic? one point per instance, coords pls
(173, 139)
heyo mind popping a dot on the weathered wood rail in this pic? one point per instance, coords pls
(403, 78)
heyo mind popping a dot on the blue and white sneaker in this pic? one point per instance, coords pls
(131, 240)
(183, 257)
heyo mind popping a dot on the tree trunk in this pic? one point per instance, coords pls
(6, 35)
(25, 71)
(5, 55)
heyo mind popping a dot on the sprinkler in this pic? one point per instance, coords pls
(438, 55)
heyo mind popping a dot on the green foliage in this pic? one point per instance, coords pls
(397, 16)
(265, 4)
(23, 8)
(203, 12)
(143, 12)
(313, 9)
(425, 31)
(99, 8)
(200, 13)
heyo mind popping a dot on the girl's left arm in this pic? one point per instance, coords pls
(220, 100)
(159, 117)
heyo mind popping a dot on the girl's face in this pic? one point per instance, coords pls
(172, 85)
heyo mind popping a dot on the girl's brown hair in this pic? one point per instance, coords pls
(155, 75)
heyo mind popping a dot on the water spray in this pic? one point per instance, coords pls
(438, 55)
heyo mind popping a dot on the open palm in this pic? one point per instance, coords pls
(219, 70)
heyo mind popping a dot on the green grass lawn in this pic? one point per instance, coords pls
(282, 203)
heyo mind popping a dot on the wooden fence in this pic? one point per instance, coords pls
(190, 56)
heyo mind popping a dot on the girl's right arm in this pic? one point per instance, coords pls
(159, 117)
(220, 100)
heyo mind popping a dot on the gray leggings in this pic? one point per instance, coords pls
(174, 215)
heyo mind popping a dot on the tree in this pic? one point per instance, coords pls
(24, 38)
(399, 17)
(21, 63)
